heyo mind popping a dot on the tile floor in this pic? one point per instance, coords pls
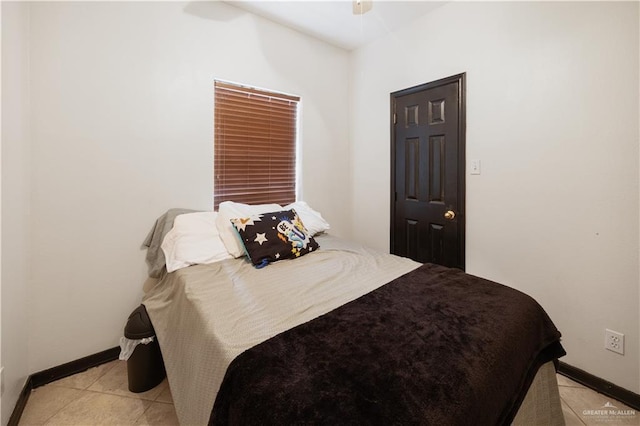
(583, 406)
(100, 396)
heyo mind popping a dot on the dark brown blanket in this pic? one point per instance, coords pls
(433, 347)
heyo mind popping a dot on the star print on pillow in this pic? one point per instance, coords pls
(260, 238)
(274, 236)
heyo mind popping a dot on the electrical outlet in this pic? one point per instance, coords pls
(614, 341)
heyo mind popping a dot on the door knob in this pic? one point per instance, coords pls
(449, 215)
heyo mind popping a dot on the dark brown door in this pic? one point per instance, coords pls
(427, 172)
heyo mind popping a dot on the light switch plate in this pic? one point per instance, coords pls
(474, 167)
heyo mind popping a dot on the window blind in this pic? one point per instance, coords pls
(254, 145)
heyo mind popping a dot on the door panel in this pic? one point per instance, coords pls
(436, 168)
(412, 169)
(428, 172)
(412, 237)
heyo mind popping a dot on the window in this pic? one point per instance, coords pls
(254, 146)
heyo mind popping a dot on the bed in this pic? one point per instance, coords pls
(349, 335)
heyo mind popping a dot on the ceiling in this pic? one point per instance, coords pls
(333, 20)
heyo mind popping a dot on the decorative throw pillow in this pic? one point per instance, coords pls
(269, 237)
(228, 210)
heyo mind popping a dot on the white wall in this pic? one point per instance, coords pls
(552, 113)
(15, 202)
(122, 129)
(117, 104)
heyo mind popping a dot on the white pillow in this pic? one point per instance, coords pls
(313, 220)
(194, 239)
(228, 210)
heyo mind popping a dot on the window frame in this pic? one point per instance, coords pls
(255, 114)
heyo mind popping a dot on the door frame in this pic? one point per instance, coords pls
(462, 126)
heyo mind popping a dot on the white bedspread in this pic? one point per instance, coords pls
(206, 315)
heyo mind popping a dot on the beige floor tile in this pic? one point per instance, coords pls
(165, 396)
(159, 414)
(44, 402)
(116, 382)
(597, 409)
(570, 418)
(87, 378)
(565, 381)
(108, 401)
(100, 409)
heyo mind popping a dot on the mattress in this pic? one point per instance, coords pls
(207, 315)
